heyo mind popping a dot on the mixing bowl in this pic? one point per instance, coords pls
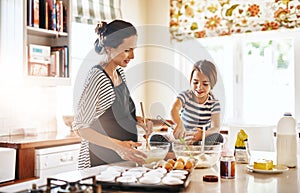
(208, 158)
(157, 151)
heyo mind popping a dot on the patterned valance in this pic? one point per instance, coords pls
(94, 11)
(207, 18)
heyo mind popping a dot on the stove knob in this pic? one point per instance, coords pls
(35, 189)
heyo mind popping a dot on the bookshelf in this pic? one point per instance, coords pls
(47, 42)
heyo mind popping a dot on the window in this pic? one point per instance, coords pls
(268, 79)
(257, 71)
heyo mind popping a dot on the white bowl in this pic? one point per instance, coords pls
(158, 151)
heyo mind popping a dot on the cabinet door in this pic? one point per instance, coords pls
(47, 42)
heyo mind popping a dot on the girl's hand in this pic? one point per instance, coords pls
(198, 134)
(127, 151)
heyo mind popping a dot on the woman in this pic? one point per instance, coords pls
(197, 109)
(105, 117)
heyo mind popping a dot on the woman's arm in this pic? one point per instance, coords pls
(179, 128)
(126, 149)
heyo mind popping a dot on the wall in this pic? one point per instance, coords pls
(20, 106)
(151, 75)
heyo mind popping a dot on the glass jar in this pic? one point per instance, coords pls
(227, 167)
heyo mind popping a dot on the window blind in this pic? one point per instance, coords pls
(209, 18)
(94, 11)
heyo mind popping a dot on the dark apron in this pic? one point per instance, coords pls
(118, 121)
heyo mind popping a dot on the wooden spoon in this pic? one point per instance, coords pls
(144, 120)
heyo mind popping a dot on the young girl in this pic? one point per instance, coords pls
(197, 109)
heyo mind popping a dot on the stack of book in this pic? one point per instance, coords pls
(48, 61)
(39, 60)
(47, 14)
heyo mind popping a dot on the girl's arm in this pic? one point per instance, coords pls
(179, 128)
(215, 127)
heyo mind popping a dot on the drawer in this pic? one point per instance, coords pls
(56, 157)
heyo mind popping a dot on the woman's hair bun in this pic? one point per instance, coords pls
(100, 30)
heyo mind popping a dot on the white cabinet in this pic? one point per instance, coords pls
(54, 160)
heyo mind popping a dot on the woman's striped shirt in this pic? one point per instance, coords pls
(97, 96)
(194, 114)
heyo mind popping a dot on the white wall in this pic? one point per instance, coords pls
(152, 76)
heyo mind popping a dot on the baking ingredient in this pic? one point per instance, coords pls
(179, 165)
(241, 148)
(227, 163)
(263, 164)
(287, 141)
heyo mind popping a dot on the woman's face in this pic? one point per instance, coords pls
(122, 55)
(200, 85)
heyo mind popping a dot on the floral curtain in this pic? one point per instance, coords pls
(207, 18)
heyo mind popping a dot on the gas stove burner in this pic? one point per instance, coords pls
(62, 186)
(72, 188)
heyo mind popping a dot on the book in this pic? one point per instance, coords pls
(35, 13)
(39, 53)
(65, 19)
(29, 13)
(59, 15)
(50, 14)
(62, 64)
(39, 68)
(43, 15)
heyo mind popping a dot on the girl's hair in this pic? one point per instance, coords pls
(112, 34)
(208, 69)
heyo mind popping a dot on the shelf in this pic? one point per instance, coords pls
(59, 43)
(45, 32)
(47, 81)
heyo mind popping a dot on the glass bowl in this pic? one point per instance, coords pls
(158, 151)
(208, 158)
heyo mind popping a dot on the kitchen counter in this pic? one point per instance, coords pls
(245, 181)
(26, 145)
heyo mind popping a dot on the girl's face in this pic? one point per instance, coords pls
(200, 86)
(122, 55)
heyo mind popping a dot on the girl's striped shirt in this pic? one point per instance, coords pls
(198, 115)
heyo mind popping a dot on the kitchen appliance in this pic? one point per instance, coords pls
(7, 163)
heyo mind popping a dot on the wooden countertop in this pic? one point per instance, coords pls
(39, 141)
(26, 145)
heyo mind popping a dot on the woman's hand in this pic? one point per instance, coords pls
(179, 131)
(127, 151)
(148, 127)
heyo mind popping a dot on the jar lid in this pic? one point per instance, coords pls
(210, 178)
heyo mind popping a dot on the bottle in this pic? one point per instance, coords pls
(227, 163)
(287, 141)
(241, 148)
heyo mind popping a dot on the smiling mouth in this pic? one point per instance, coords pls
(198, 92)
